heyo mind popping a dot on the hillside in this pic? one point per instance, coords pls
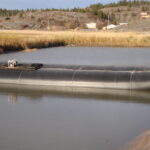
(130, 15)
(43, 20)
(63, 19)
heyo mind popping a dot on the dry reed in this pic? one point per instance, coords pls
(20, 40)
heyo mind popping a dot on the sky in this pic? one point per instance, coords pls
(24, 4)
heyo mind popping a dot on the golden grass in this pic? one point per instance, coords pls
(20, 40)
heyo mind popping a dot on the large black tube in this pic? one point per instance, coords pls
(79, 76)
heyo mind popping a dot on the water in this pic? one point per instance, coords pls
(34, 118)
(85, 56)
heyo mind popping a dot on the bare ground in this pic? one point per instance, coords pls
(140, 143)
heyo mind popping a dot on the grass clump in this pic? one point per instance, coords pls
(21, 40)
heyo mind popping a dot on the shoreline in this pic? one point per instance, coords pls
(18, 40)
(142, 142)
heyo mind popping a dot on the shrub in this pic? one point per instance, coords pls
(70, 25)
(118, 10)
(25, 26)
(144, 8)
(21, 15)
(134, 14)
(32, 17)
(100, 25)
(102, 15)
(7, 18)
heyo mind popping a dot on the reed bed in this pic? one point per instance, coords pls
(21, 40)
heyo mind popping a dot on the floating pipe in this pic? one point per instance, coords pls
(130, 78)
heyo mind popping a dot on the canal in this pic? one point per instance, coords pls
(37, 118)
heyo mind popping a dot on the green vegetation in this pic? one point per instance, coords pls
(6, 13)
(129, 3)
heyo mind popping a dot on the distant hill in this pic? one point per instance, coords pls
(46, 20)
(130, 15)
(76, 18)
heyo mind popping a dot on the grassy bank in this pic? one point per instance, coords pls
(20, 40)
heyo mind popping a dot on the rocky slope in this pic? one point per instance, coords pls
(43, 20)
(132, 16)
(50, 19)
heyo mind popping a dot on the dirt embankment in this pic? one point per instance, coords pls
(140, 143)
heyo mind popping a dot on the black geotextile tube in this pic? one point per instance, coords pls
(111, 77)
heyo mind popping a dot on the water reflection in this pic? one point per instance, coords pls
(12, 98)
(70, 118)
(37, 92)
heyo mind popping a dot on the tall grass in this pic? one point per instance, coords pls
(21, 40)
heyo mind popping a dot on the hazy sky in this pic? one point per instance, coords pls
(23, 4)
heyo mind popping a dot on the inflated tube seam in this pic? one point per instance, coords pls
(20, 77)
(131, 75)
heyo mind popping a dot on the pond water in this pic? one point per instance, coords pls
(34, 118)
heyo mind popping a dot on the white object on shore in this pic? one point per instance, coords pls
(123, 23)
(111, 26)
(12, 63)
(91, 25)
